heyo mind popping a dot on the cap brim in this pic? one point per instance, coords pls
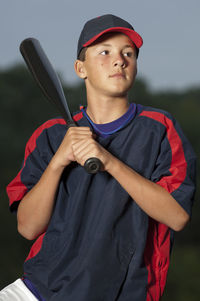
(133, 35)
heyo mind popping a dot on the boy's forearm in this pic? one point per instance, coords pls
(35, 209)
(151, 197)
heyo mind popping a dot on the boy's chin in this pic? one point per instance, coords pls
(120, 92)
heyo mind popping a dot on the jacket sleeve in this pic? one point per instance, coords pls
(175, 168)
(38, 153)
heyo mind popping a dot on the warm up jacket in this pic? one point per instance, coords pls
(100, 245)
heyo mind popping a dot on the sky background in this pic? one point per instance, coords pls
(169, 57)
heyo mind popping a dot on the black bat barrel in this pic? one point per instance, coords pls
(49, 82)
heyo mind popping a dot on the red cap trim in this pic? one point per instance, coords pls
(133, 35)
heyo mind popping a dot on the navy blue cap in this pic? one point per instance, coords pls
(96, 27)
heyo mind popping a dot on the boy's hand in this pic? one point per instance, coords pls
(90, 148)
(79, 145)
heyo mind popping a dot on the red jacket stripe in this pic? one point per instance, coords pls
(78, 116)
(36, 247)
(171, 183)
(157, 252)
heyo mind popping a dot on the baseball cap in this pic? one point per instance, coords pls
(95, 28)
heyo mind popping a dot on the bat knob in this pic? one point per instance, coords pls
(92, 165)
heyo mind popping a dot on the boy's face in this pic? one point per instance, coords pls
(110, 66)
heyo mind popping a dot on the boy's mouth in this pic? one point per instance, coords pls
(117, 75)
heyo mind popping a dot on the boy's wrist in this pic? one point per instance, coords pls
(56, 166)
(111, 164)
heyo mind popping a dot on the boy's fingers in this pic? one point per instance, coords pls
(80, 129)
(80, 146)
(79, 133)
(86, 149)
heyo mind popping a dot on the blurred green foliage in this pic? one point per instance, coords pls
(23, 108)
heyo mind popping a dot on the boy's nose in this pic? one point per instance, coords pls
(120, 61)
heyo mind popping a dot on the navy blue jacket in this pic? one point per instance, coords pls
(100, 245)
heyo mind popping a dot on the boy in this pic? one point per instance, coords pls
(105, 236)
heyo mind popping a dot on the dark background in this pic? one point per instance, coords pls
(23, 108)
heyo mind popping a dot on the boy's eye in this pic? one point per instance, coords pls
(129, 54)
(105, 52)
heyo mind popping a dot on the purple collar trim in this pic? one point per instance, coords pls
(114, 126)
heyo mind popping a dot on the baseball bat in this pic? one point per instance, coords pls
(47, 79)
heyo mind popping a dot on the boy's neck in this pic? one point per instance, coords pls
(107, 109)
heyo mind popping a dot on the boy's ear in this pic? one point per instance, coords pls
(79, 68)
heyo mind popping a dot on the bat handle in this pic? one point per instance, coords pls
(92, 165)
